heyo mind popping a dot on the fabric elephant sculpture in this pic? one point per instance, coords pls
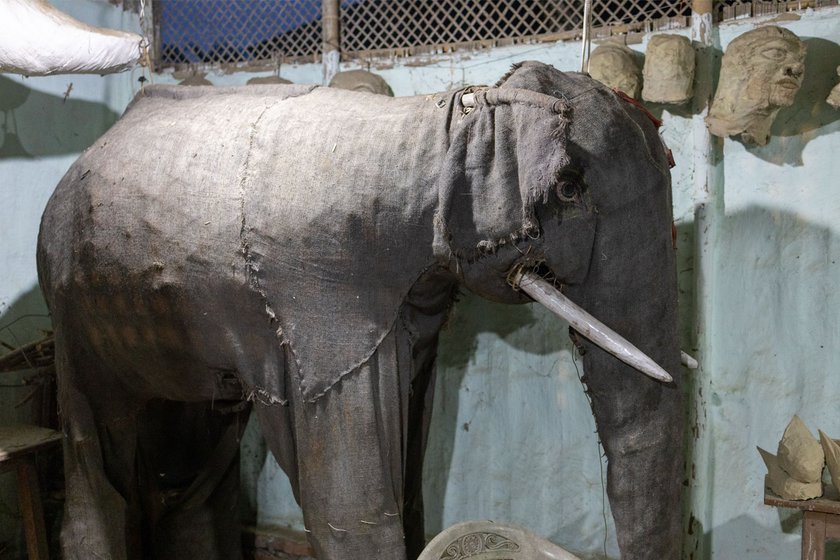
(295, 250)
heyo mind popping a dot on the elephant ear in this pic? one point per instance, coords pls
(505, 159)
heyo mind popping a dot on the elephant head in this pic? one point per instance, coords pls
(592, 212)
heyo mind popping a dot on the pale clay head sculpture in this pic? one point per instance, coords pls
(361, 80)
(761, 72)
(834, 96)
(615, 65)
(669, 70)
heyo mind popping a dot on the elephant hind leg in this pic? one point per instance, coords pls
(101, 514)
(155, 479)
(188, 462)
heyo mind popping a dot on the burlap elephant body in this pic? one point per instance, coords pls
(296, 249)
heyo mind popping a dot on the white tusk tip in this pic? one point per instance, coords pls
(660, 376)
(688, 361)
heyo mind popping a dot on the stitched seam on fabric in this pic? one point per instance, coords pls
(251, 267)
(263, 396)
(369, 355)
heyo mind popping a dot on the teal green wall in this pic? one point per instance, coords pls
(512, 435)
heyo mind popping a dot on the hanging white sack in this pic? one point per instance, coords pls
(36, 39)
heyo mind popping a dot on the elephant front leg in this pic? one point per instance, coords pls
(344, 458)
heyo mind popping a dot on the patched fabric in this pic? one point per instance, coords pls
(257, 221)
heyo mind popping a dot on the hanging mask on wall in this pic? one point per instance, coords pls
(669, 70)
(834, 96)
(361, 80)
(615, 65)
(761, 72)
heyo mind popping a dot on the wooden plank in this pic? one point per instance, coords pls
(813, 536)
(828, 503)
(21, 439)
(832, 527)
(31, 509)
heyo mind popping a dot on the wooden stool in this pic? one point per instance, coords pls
(18, 445)
(820, 522)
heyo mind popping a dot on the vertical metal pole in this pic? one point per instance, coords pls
(332, 38)
(708, 219)
(587, 36)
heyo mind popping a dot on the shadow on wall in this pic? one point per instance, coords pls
(38, 124)
(783, 272)
(729, 538)
(470, 317)
(776, 333)
(25, 320)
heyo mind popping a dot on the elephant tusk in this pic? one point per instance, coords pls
(688, 361)
(587, 325)
(468, 100)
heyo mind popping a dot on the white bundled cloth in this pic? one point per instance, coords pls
(36, 39)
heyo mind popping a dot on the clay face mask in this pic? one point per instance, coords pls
(669, 70)
(615, 66)
(761, 72)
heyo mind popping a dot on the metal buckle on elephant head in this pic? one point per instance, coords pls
(588, 326)
(468, 99)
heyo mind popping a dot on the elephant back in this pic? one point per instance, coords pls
(311, 206)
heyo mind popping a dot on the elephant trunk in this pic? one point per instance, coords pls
(631, 286)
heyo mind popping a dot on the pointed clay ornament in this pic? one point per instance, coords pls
(831, 447)
(800, 454)
(783, 485)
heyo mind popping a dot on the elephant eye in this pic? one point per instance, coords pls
(568, 190)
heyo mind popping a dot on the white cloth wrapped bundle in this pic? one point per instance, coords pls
(36, 39)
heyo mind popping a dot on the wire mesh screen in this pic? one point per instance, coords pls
(233, 31)
(375, 25)
(267, 31)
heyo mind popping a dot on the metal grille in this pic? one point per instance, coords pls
(377, 25)
(272, 31)
(236, 31)
(736, 9)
